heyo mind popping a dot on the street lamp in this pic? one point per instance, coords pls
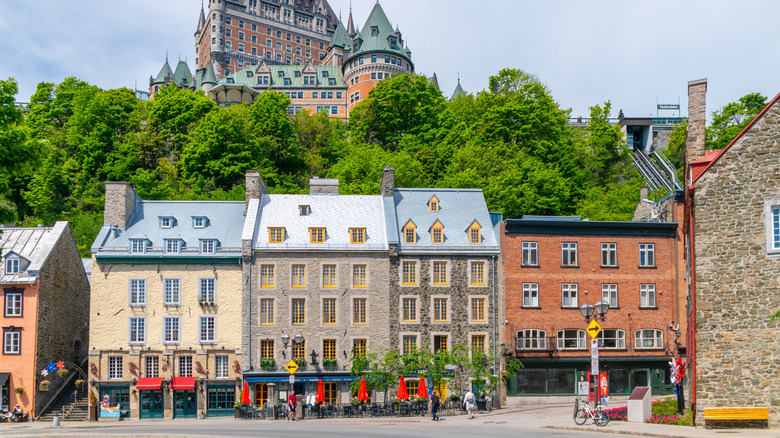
(599, 311)
(594, 312)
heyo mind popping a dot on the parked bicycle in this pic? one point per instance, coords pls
(586, 412)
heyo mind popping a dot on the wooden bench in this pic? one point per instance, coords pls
(743, 414)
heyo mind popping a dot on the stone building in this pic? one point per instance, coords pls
(45, 313)
(316, 286)
(444, 262)
(165, 314)
(732, 226)
(555, 265)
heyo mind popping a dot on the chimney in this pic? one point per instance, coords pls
(120, 203)
(697, 116)
(255, 186)
(323, 186)
(643, 193)
(387, 185)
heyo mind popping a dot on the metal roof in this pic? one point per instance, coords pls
(32, 246)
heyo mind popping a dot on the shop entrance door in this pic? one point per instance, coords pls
(185, 404)
(151, 404)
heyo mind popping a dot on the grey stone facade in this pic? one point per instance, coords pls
(120, 203)
(737, 277)
(697, 115)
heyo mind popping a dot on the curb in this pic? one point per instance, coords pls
(615, 431)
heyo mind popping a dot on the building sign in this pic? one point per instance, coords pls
(669, 106)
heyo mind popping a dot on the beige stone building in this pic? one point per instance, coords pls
(165, 333)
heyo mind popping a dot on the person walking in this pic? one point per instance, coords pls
(435, 404)
(291, 406)
(469, 403)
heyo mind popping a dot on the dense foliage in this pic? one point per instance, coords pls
(512, 140)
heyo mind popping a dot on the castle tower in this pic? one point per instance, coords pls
(164, 77)
(378, 52)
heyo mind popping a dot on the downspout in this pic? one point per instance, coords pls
(495, 351)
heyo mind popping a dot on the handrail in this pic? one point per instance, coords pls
(59, 389)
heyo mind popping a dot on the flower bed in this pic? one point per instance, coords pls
(617, 414)
(665, 412)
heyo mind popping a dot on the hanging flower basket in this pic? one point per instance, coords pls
(62, 372)
(79, 382)
(43, 386)
(19, 390)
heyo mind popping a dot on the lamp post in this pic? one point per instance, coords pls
(297, 340)
(595, 312)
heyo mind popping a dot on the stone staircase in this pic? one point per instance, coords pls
(74, 410)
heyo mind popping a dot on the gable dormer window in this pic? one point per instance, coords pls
(275, 235)
(166, 222)
(208, 246)
(374, 31)
(137, 246)
(304, 210)
(172, 246)
(199, 222)
(433, 204)
(437, 233)
(317, 235)
(357, 235)
(475, 233)
(410, 232)
(12, 266)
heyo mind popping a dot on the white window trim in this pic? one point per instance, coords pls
(169, 241)
(449, 306)
(649, 249)
(164, 329)
(576, 249)
(529, 290)
(213, 242)
(655, 296)
(485, 271)
(12, 261)
(580, 346)
(401, 310)
(121, 361)
(9, 300)
(656, 339)
(200, 329)
(171, 303)
(143, 246)
(617, 339)
(530, 250)
(576, 290)
(605, 287)
(608, 250)
(542, 340)
(195, 222)
(170, 220)
(130, 292)
(129, 330)
(227, 366)
(6, 343)
(770, 249)
(200, 289)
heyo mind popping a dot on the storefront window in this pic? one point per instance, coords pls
(618, 381)
(531, 381)
(117, 396)
(221, 398)
(560, 381)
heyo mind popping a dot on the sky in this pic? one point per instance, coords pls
(632, 53)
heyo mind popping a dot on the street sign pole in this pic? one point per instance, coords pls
(594, 367)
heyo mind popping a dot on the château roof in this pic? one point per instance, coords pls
(248, 76)
(377, 35)
(182, 76)
(165, 72)
(201, 20)
(340, 37)
(458, 91)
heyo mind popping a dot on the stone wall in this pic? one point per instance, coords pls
(63, 310)
(737, 281)
(120, 203)
(697, 115)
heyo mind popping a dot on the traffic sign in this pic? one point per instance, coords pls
(593, 329)
(292, 379)
(292, 367)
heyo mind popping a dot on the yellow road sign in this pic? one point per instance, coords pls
(593, 329)
(292, 367)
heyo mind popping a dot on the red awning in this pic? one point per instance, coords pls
(182, 383)
(148, 383)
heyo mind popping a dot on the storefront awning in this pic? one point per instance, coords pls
(148, 383)
(4, 378)
(182, 383)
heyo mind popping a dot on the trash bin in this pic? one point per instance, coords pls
(481, 404)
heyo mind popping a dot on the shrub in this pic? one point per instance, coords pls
(665, 412)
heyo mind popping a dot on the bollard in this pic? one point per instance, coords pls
(55, 421)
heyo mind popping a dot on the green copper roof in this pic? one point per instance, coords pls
(248, 76)
(458, 91)
(165, 71)
(340, 37)
(378, 35)
(209, 77)
(182, 76)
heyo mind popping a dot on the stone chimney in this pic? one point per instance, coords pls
(120, 203)
(255, 186)
(323, 186)
(387, 185)
(697, 116)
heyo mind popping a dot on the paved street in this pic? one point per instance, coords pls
(546, 421)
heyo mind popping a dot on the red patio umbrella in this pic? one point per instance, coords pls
(320, 393)
(402, 394)
(422, 390)
(363, 393)
(245, 394)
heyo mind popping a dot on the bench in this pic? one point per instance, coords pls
(743, 414)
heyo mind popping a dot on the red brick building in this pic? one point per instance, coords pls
(555, 265)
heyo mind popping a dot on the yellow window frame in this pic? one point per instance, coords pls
(329, 349)
(478, 343)
(359, 311)
(266, 311)
(275, 234)
(477, 273)
(437, 233)
(440, 273)
(299, 350)
(409, 344)
(317, 235)
(357, 235)
(298, 311)
(475, 234)
(359, 347)
(266, 349)
(440, 310)
(433, 203)
(409, 309)
(329, 311)
(359, 276)
(328, 276)
(478, 310)
(267, 276)
(298, 276)
(410, 232)
(409, 268)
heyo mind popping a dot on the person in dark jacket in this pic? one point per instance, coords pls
(435, 405)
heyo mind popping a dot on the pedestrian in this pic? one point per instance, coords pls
(17, 413)
(291, 406)
(469, 403)
(435, 404)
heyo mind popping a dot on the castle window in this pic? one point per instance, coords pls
(373, 58)
(410, 232)
(374, 31)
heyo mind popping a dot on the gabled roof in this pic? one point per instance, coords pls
(33, 246)
(755, 120)
(248, 76)
(459, 208)
(165, 72)
(336, 213)
(341, 37)
(182, 76)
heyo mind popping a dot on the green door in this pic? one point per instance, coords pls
(151, 404)
(185, 405)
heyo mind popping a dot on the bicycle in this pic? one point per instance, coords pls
(599, 417)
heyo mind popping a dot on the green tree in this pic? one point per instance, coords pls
(16, 153)
(606, 151)
(675, 149)
(320, 140)
(728, 121)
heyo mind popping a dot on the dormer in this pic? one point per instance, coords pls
(392, 41)
(304, 210)
(167, 222)
(138, 246)
(14, 263)
(433, 204)
(475, 233)
(275, 234)
(172, 246)
(200, 222)
(410, 232)
(437, 233)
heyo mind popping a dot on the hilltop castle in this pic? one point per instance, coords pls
(295, 47)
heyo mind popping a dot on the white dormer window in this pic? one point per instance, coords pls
(12, 266)
(172, 246)
(208, 246)
(166, 222)
(199, 222)
(137, 246)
